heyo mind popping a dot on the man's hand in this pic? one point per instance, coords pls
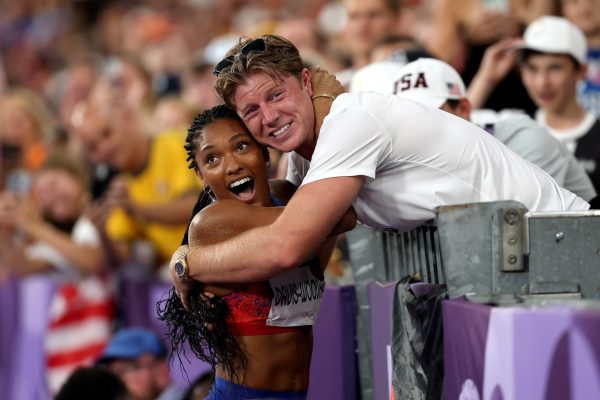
(183, 287)
(117, 196)
(98, 211)
(325, 89)
(498, 60)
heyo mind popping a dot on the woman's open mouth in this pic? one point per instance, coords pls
(243, 188)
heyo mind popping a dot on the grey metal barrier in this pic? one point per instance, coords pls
(387, 256)
(494, 252)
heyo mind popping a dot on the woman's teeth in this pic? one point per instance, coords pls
(239, 182)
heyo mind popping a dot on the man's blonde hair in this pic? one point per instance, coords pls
(279, 59)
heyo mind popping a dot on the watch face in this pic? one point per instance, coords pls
(180, 269)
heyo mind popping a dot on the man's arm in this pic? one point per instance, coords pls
(263, 252)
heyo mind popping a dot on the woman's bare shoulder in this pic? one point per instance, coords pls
(226, 218)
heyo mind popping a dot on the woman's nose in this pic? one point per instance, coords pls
(232, 164)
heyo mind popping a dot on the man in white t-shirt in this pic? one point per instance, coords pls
(392, 160)
(436, 84)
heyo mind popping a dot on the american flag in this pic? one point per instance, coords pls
(454, 89)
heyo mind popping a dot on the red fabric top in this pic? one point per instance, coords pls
(249, 309)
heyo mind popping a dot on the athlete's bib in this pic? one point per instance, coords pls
(296, 298)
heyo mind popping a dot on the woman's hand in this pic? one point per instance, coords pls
(325, 89)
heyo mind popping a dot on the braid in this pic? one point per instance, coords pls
(205, 329)
(201, 120)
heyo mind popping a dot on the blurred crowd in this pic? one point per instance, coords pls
(96, 98)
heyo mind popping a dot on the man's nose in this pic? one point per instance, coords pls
(270, 115)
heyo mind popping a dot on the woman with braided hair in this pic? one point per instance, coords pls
(257, 336)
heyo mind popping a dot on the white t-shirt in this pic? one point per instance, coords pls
(569, 136)
(415, 158)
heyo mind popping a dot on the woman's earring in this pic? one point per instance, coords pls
(210, 193)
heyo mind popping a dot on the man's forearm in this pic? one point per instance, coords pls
(248, 257)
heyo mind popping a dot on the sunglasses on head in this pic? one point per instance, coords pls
(254, 45)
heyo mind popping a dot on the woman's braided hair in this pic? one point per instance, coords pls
(199, 123)
(204, 325)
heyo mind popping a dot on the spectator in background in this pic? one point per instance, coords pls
(552, 62)
(154, 194)
(585, 14)
(399, 48)
(367, 22)
(552, 59)
(172, 113)
(27, 127)
(436, 84)
(50, 233)
(93, 383)
(139, 358)
(199, 90)
(127, 78)
(72, 85)
(463, 29)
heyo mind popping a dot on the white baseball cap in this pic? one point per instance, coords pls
(431, 82)
(556, 35)
(427, 81)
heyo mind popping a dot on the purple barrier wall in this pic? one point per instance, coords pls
(381, 300)
(333, 370)
(465, 331)
(24, 306)
(24, 317)
(8, 321)
(545, 353)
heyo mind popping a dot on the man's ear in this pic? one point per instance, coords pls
(582, 73)
(198, 173)
(305, 77)
(464, 109)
